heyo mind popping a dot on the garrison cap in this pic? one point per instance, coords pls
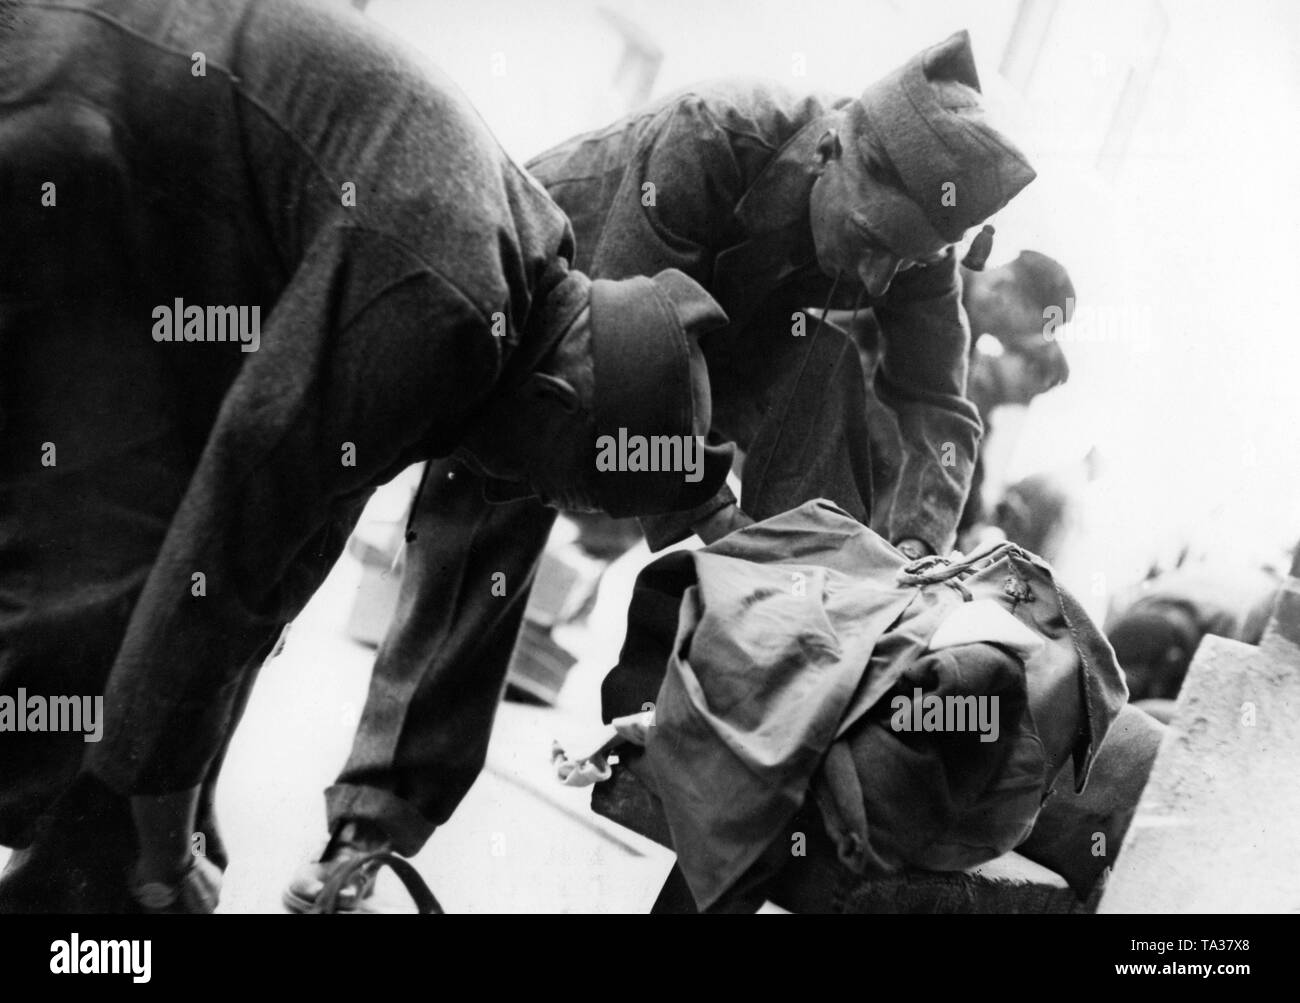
(957, 170)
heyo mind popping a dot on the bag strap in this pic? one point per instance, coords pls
(933, 569)
(425, 901)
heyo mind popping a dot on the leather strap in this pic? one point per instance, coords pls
(425, 901)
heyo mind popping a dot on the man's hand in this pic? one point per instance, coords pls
(914, 549)
(720, 523)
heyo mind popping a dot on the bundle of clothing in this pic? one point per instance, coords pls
(924, 707)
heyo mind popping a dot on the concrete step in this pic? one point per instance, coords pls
(1218, 825)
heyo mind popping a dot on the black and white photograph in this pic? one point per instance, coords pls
(622, 457)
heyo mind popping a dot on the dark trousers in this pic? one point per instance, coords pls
(441, 669)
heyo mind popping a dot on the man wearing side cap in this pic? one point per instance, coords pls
(203, 490)
(778, 204)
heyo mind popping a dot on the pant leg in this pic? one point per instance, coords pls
(441, 669)
(206, 818)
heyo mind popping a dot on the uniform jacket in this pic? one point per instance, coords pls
(715, 181)
(362, 206)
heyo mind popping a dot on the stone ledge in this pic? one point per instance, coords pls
(1218, 824)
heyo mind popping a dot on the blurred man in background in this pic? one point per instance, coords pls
(1156, 627)
(1020, 306)
(1015, 311)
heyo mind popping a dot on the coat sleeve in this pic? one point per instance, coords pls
(922, 378)
(330, 405)
(672, 208)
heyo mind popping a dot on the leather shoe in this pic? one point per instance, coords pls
(350, 840)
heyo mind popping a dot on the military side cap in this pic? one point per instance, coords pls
(957, 170)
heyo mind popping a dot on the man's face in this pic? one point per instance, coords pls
(1029, 363)
(1017, 377)
(844, 241)
(998, 306)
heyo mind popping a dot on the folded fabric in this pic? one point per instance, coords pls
(947, 769)
(983, 621)
(796, 655)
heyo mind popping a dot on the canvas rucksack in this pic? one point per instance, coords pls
(773, 659)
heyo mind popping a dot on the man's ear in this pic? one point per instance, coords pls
(828, 148)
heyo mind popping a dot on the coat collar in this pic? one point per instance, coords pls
(775, 216)
(778, 198)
